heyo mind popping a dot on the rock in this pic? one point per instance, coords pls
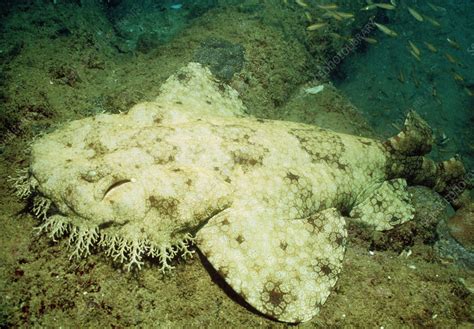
(456, 237)
(223, 58)
(461, 227)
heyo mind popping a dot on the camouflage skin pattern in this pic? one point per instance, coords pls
(263, 200)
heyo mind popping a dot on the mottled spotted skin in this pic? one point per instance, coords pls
(309, 169)
(264, 199)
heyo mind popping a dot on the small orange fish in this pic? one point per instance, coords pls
(433, 21)
(453, 43)
(385, 6)
(344, 15)
(338, 15)
(401, 77)
(431, 47)
(316, 26)
(415, 55)
(331, 6)
(450, 58)
(301, 3)
(415, 80)
(458, 77)
(332, 14)
(369, 7)
(386, 30)
(414, 48)
(370, 40)
(415, 14)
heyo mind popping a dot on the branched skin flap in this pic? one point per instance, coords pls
(262, 199)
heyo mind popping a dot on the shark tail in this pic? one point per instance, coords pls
(406, 159)
(416, 137)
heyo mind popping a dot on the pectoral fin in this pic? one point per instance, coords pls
(285, 268)
(385, 207)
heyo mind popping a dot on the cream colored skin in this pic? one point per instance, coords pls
(262, 198)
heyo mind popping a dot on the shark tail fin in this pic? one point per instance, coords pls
(416, 137)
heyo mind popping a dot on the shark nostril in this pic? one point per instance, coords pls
(115, 185)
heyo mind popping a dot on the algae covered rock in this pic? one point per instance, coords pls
(461, 227)
(223, 58)
(263, 200)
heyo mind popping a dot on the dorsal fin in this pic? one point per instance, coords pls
(190, 94)
(195, 89)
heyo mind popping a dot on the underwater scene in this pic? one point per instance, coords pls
(236, 164)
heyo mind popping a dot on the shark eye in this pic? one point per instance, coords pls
(116, 185)
(90, 176)
(94, 174)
